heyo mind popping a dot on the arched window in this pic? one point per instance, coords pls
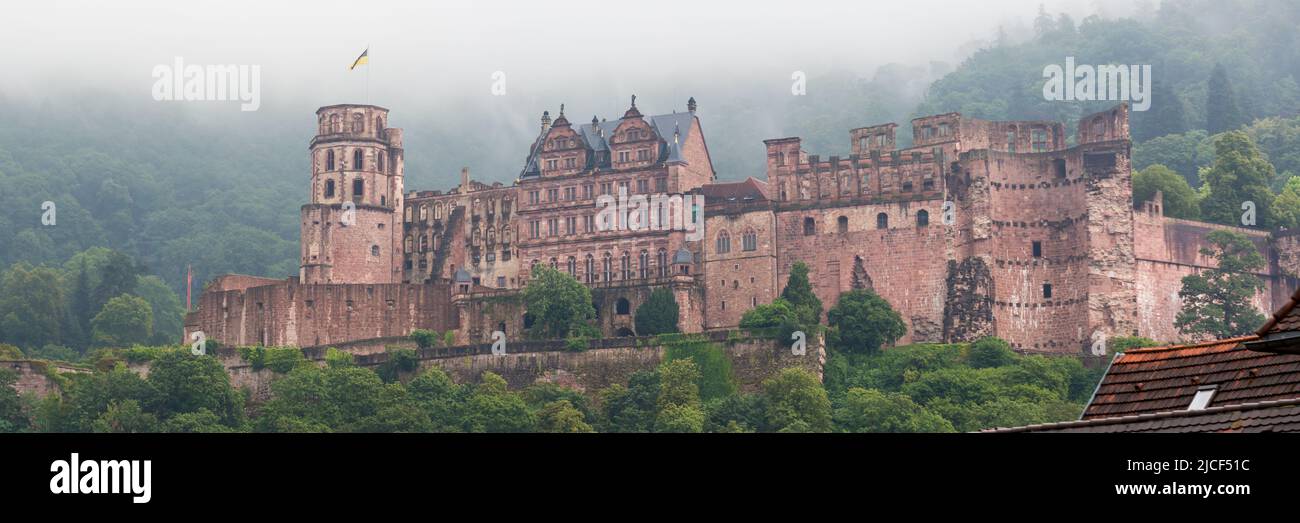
(644, 264)
(379, 126)
(922, 218)
(573, 266)
(358, 188)
(882, 221)
(842, 224)
(622, 307)
(424, 243)
(381, 162)
(329, 188)
(424, 212)
(324, 128)
(408, 245)
(505, 235)
(335, 124)
(809, 226)
(749, 241)
(723, 243)
(358, 158)
(608, 267)
(437, 211)
(555, 264)
(329, 160)
(626, 265)
(590, 268)
(358, 123)
(662, 261)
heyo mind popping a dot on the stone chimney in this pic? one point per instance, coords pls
(464, 180)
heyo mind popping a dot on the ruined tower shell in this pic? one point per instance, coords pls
(351, 226)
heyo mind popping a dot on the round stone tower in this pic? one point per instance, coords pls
(351, 227)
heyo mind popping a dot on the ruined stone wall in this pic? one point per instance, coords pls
(907, 262)
(34, 375)
(292, 314)
(360, 252)
(1169, 249)
(737, 280)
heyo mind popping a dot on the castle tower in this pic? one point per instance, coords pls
(351, 227)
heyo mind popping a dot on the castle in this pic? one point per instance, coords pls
(977, 228)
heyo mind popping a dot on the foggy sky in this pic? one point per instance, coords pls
(432, 62)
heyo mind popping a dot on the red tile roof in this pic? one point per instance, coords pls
(748, 188)
(1166, 378)
(1266, 416)
(1286, 319)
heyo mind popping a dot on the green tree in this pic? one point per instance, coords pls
(561, 416)
(1124, 343)
(202, 421)
(168, 313)
(557, 302)
(191, 384)
(678, 384)
(442, 400)
(658, 315)
(798, 292)
(1286, 207)
(796, 402)
(126, 417)
(1180, 200)
(990, 352)
(776, 318)
(1221, 110)
(88, 396)
(31, 306)
(425, 338)
(1240, 176)
(863, 322)
(715, 377)
(124, 321)
(1166, 115)
(12, 417)
(117, 276)
(871, 410)
(492, 408)
(1217, 302)
(632, 408)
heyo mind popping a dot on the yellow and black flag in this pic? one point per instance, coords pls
(361, 60)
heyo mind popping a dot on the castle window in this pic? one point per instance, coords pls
(358, 188)
(916, 157)
(1011, 141)
(809, 226)
(864, 142)
(590, 268)
(572, 266)
(623, 156)
(723, 243)
(944, 130)
(644, 264)
(335, 124)
(374, 250)
(622, 307)
(661, 184)
(1059, 163)
(922, 218)
(383, 200)
(555, 264)
(608, 267)
(749, 241)
(907, 186)
(408, 243)
(358, 158)
(724, 305)
(424, 212)
(1039, 139)
(329, 188)
(780, 158)
(437, 211)
(1047, 291)
(882, 221)
(358, 123)
(379, 125)
(570, 163)
(424, 243)
(626, 265)
(1037, 248)
(381, 162)
(329, 160)
(662, 260)
(842, 224)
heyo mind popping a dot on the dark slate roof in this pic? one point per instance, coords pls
(1162, 379)
(683, 256)
(748, 189)
(462, 276)
(664, 125)
(1264, 416)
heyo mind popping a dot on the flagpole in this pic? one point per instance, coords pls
(368, 67)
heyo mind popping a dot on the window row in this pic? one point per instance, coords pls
(748, 241)
(358, 161)
(592, 190)
(882, 222)
(334, 123)
(591, 269)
